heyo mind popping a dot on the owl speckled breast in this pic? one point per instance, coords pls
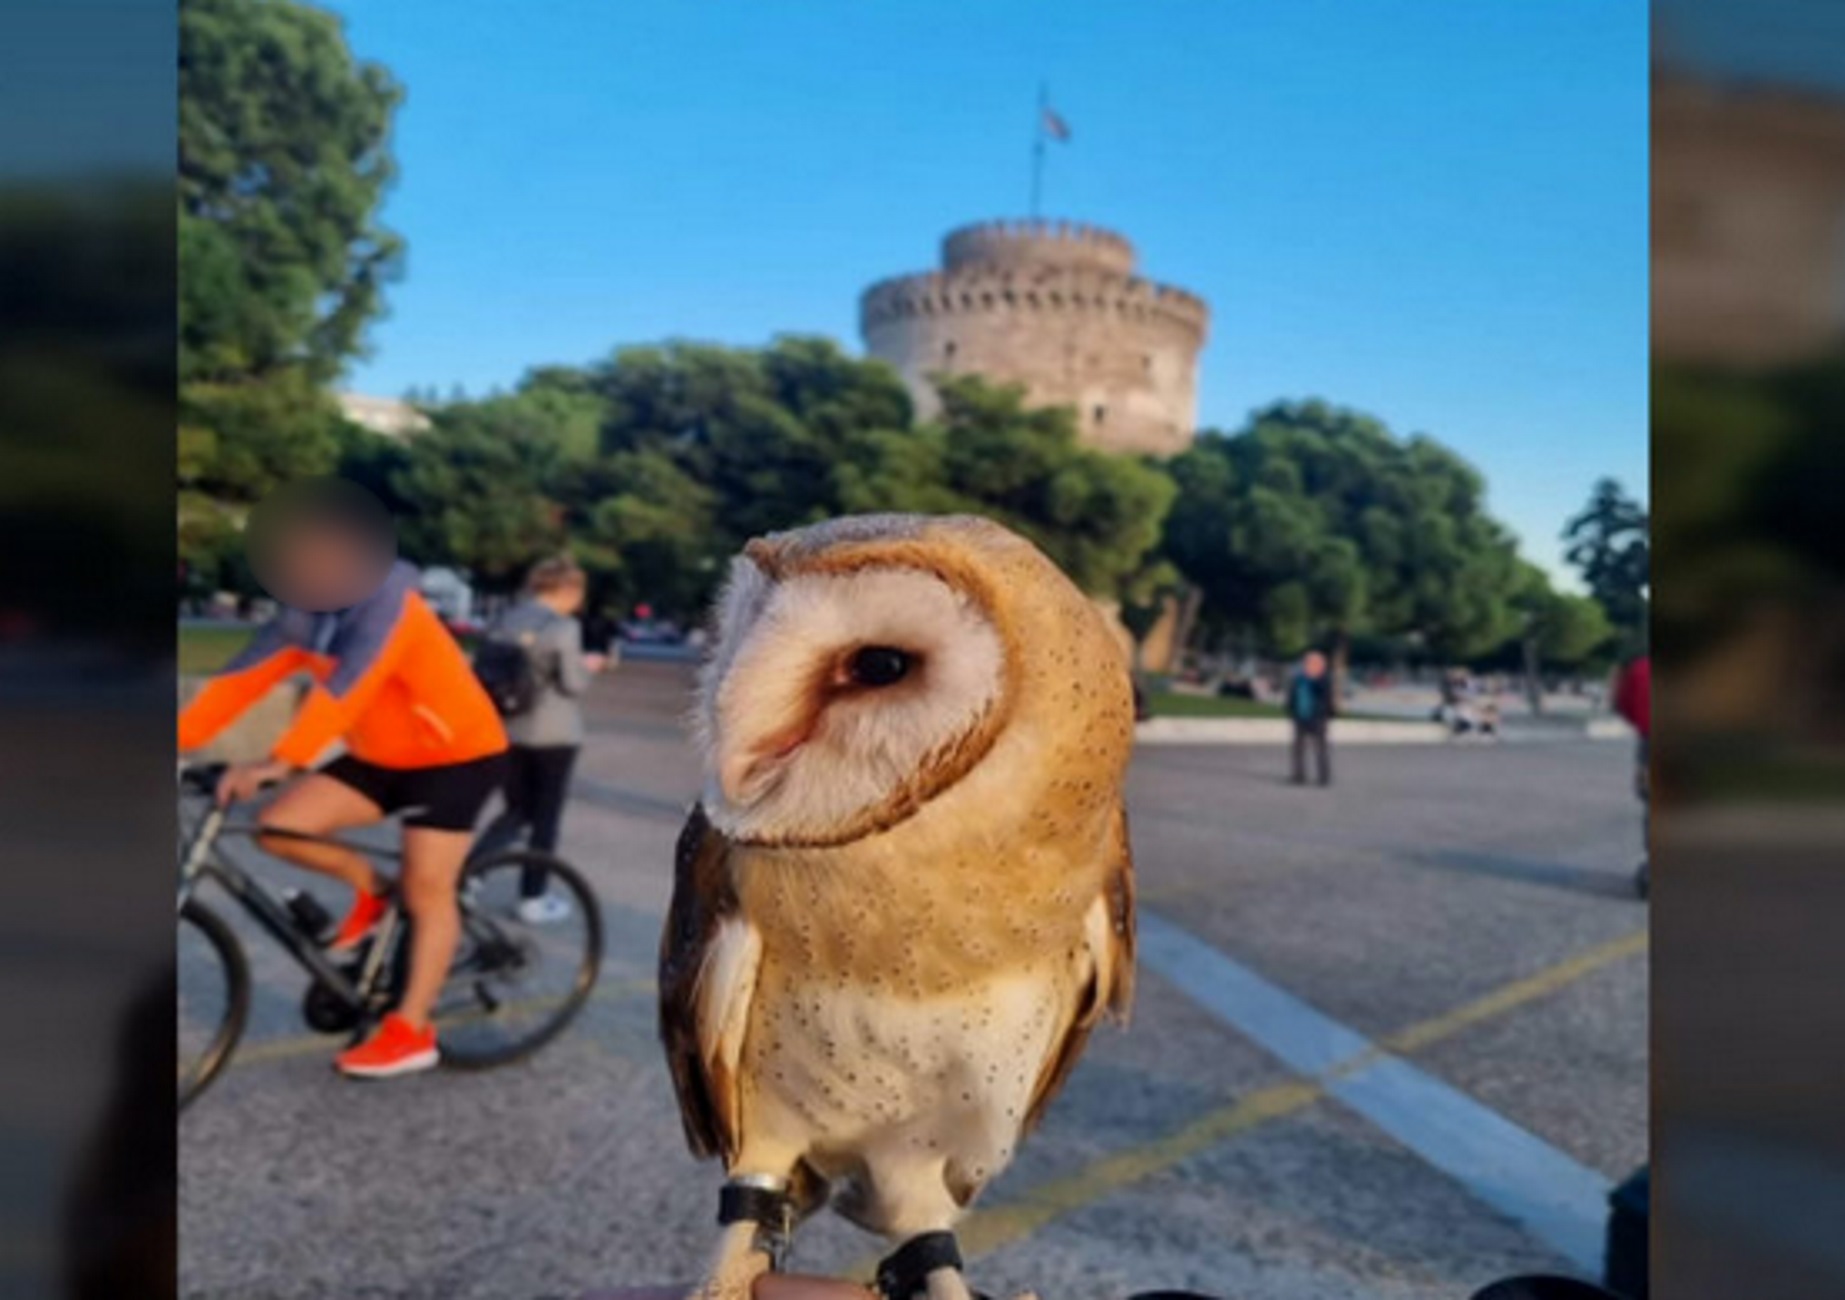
(907, 895)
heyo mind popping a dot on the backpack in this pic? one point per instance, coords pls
(503, 663)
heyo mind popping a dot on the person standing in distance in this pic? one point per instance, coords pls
(1310, 709)
(548, 731)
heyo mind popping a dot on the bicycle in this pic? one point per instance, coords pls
(490, 1011)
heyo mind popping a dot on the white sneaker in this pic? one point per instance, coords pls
(546, 909)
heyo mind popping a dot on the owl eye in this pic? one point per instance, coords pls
(878, 665)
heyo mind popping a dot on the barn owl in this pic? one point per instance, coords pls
(906, 895)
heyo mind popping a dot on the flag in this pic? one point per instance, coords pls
(1055, 126)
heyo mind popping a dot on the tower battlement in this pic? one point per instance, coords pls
(985, 287)
(1033, 241)
(1055, 306)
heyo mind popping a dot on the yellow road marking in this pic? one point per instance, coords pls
(985, 1231)
(271, 1050)
(988, 1230)
(1515, 994)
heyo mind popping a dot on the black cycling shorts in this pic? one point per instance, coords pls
(448, 797)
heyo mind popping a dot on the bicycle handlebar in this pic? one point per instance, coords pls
(203, 778)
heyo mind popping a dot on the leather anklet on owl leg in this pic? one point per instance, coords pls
(928, 1264)
(764, 1202)
(757, 1216)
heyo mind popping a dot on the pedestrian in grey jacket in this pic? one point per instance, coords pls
(546, 736)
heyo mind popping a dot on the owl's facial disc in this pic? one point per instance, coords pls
(839, 701)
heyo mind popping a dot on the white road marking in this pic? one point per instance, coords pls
(1557, 1200)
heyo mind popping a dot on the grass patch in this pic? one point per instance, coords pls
(206, 649)
(1171, 704)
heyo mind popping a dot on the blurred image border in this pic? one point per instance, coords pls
(87, 384)
(1750, 1150)
(1748, 756)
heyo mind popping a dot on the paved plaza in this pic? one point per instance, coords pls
(1390, 1041)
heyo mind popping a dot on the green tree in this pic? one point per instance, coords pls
(762, 429)
(1097, 516)
(238, 442)
(652, 536)
(697, 448)
(1559, 631)
(1315, 524)
(1608, 544)
(478, 486)
(376, 463)
(283, 159)
(1571, 630)
(284, 155)
(561, 399)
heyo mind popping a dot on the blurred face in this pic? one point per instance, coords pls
(1314, 664)
(321, 545)
(568, 599)
(323, 567)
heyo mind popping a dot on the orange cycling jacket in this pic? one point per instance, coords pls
(388, 677)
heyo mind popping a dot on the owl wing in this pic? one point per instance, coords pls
(1109, 952)
(709, 957)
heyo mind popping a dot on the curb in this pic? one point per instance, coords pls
(1359, 731)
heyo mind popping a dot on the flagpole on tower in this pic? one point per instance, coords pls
(1037, 147)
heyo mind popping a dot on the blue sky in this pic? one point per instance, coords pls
(1429, 210)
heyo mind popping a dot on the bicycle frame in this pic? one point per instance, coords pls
(200, 861)
(484, 978)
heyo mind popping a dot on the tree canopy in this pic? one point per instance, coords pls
(1314, 522)
(1608, 544)
(284, 156)
(660, 462)
(1098, 516)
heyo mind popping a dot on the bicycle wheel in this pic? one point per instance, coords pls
(515, 984)
(213, 994)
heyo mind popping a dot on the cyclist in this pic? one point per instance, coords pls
(420, 734)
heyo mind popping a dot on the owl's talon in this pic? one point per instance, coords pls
(735, 1279)
(740, 1259)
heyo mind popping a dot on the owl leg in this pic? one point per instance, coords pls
(756, 1214)
(736, 1264)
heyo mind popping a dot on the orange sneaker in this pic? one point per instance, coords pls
(367, 911)
(394, 1047)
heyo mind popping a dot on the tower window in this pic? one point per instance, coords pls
(1101, 413)
(948, 350)
(1146, 363)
